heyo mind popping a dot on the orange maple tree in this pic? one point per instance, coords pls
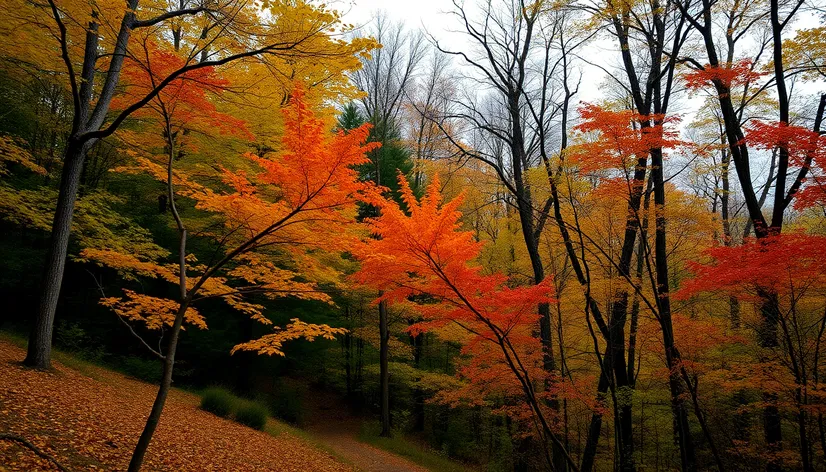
(615, 148)
(186, 104)
(296, 206)
(420, 255)
(620, 138)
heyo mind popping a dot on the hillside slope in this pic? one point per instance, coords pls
(91, 421)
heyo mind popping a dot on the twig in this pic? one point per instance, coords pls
(35, 449)
(157, 353)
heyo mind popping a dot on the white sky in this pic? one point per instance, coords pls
(432, 17)
(416, 13)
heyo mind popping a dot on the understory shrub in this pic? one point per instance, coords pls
(148, 370)
(217, 401)
(252, 414)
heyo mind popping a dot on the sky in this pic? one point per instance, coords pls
(433, 17)
(416, 13)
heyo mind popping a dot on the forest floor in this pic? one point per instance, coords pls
(88, 418)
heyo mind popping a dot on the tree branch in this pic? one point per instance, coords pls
(166, 16)
(35, 449)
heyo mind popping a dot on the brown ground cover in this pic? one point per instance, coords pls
(92, 422)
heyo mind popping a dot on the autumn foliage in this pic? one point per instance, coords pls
(420, 255)
(297, 200)
(553, 284)
(730, 75)
(780, 264)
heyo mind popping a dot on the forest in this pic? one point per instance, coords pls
(569, 236)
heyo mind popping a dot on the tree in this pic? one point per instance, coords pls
(724, 76)
(506, 122)
(425, 257)
(91, 120)
(384, 80)
(293, 206)
(788, 267)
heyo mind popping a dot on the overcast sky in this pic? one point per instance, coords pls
(432, 16)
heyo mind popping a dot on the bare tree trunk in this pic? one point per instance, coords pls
(589, 453)
(160, 400)
(186, 300)
(734, 304)
(85, 119)
(672, 354)
(418, 394)
(348, 351)
(384, 334)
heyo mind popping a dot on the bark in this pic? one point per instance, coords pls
(40, 338)
(739, 154)
(418, 394)
(348, 352)
(589, 452)
(642, 243)
(672, 354)
(734, 304)
(160, 400)
(385, 373)
(185, 301)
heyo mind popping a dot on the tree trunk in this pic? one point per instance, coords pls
(166, 383)
(385, 373)
(40, 339)
(672, 354)
(767, 337)
(348, 352)
(589, 453)
(733, 303)
(418, 394)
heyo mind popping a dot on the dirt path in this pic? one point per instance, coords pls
(331, 422)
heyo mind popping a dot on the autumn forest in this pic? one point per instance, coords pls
(580, 235)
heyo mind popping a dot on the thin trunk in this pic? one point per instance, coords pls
(642, 241)
(767, 337)
(526, 218)
(672, 354)
(418, 394)
(385, 373)
(186, 299)
(767, 332)
(348, 352)
(733, 303)
(590, 451)
(160, 400)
